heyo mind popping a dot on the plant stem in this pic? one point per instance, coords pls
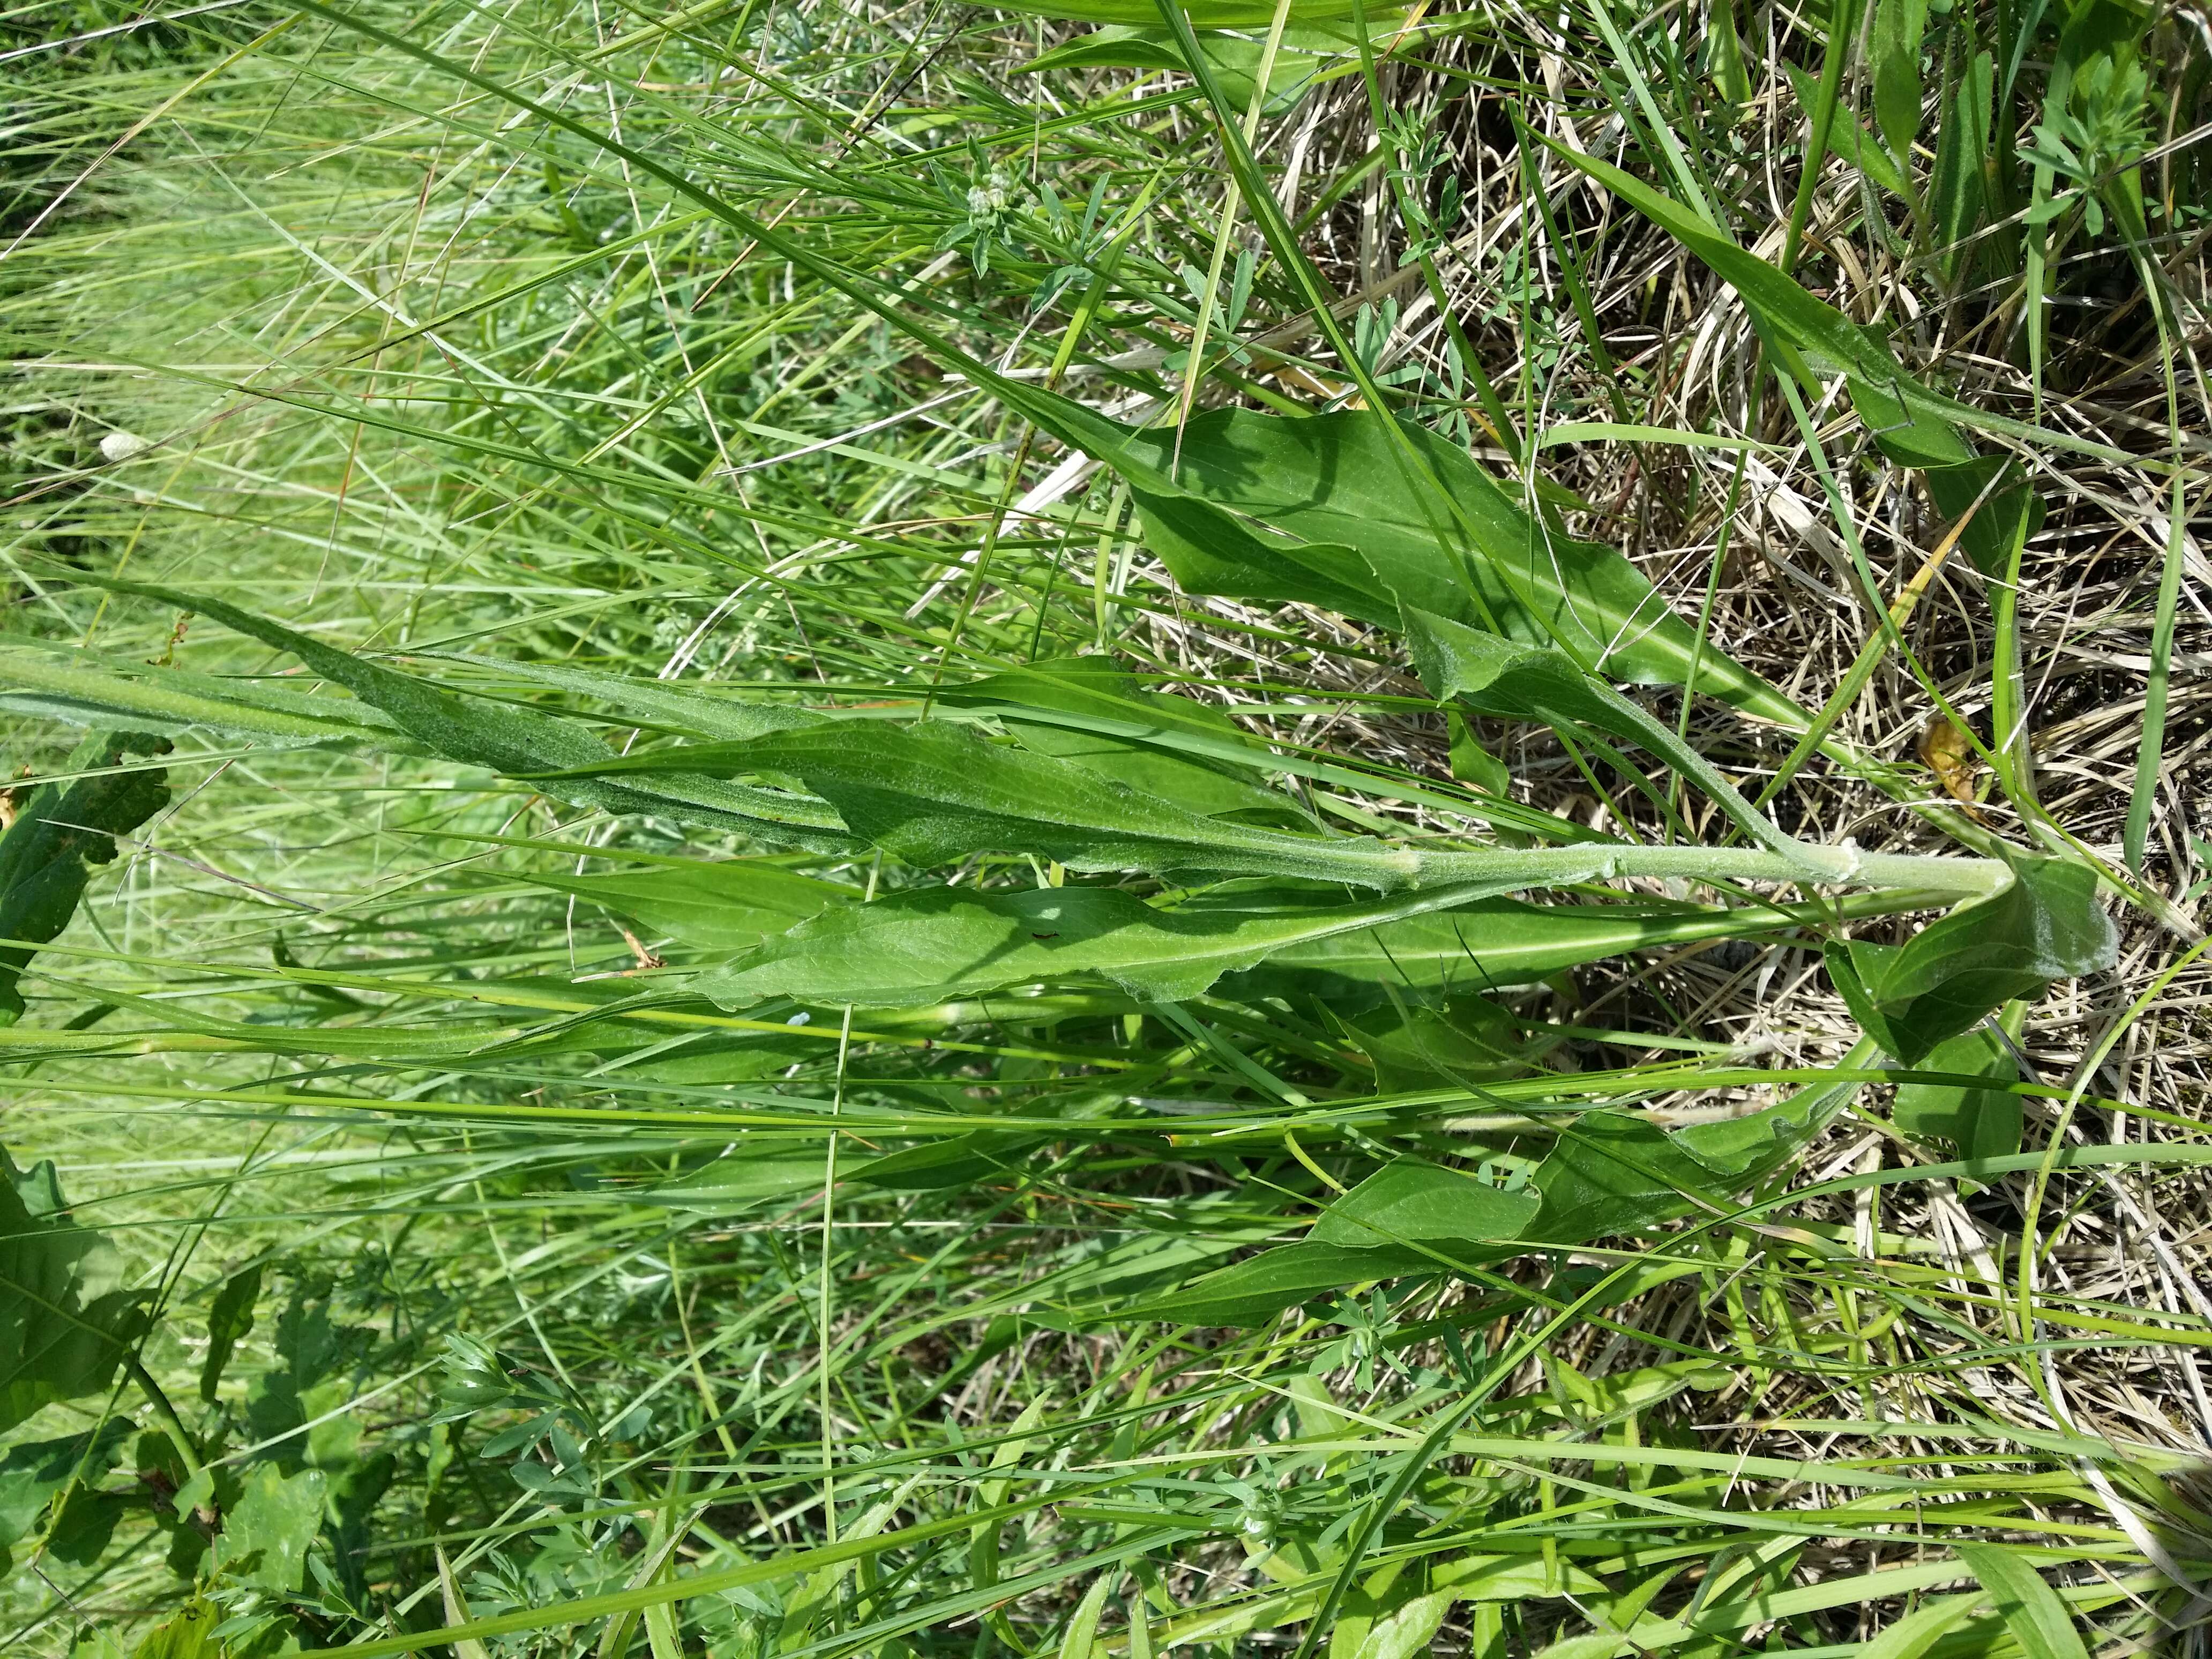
(164, 1414)
(1557, 866)
(2150, 751)
(2009, 745)
(1843, 24)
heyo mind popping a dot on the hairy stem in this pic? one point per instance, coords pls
(1844, 867)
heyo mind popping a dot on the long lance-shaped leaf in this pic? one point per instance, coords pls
(175, 699)
(946, 942)
(934, 791)
(902, 949)
(1520, 565)
(1095, 694)
(1370, 543)
(515, 742)
(1511, 562)
(1620, 1174)
(1088, 710)
(652, 702)
(1208, 14)
(730, 905)
(1089, 696)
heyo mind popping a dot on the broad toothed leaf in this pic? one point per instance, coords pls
(57, 832)
(66, 1319)
(266, 1533)
(31, 1474)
